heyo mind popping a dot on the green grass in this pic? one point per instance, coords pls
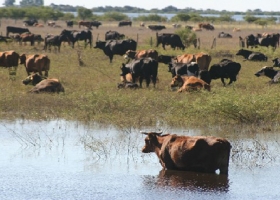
(91, 92)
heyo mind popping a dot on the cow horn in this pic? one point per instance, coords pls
(143, 132)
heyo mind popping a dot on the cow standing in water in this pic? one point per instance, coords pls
(189, 153)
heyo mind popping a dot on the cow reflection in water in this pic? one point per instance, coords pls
(192, 181)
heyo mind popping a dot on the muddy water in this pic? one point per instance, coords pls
(68, 160)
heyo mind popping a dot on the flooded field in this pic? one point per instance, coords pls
(68, 160)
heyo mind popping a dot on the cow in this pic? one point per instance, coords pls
(225, 69)
(9, 59)
(224, 35)
(30, 22)
(202, 59)
(84, 23)
(116, 47)
(142, 24)
(125, 23)
(251, 55)
(156, 27)
(171, 39)
(27, 37)
(130, 54)
(35, 63)
(189, 153)
(269, 40)
(269, 72)
(166, 59)
(69, 24)
(50, 85)
(236, 30)
(54, 40)
(113, 35)
(176, 25)
(190, 69)
(4, 39)
(19, 30)
(38, 25)
(189, 27)
(75, 36)
(95, 24)
(276, 62)
(188, 83)
(144, 68)
(195, 29)
(206, 26)
(205, 76)
(51, 23)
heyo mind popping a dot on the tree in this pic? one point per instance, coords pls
(26, 3)
(84, 13)
(181, 17)
(250, 18)
(9, 3)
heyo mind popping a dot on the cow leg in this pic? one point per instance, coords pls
(163, 46)
(223, 81)
(46, 73)
(148, 80)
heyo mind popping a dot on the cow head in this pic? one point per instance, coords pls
(125, 70)
(100, 45)
(215, 71)
(33, 78)
(276, 62)
(177, 81)
(130, 54)
(151, 141)
(266, 71)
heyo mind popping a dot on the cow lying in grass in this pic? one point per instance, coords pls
(274, 75)
(41, 84)
(189, 83)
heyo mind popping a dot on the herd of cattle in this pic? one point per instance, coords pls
(188, 72)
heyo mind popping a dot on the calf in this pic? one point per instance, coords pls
(274, 75)
(190, 69)
(189, 83)
(189, 153)
(141, 54)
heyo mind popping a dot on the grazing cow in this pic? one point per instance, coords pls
(165, 59)
(9, 59)
(202, 59)
(225, 69)
(35, 63)
(171, 39)
(125, 23)
(206, 26)
(30, 22)
(190, 69)
(141, 54)
(189, 153)
(144, 68)
(276, 62)
(116, 47)
(27, 37)
(95, 24)
(54, 40)
(269, 72)
(113, 35)
(188, 83)
(69, 24)
(224, 35)
(75, 36)
(156, 27)
(19, 30)
(251, 55)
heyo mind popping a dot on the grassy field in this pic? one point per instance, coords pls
(91, 92)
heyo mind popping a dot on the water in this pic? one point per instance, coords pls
(69, 160)
(170, 15)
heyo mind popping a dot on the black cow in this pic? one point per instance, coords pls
(116, 47)
(95, 23)
(251, 40)
(205, 76)
(54, 40)
(156, 27)
(276, 62)
(113, 35)
(69, 24)
(269, 40)
(75, 36)
(190, 69)
(274, 75)
(165, 59)
(4, 39)
(125, 23)
(225, 69)
(30, 22)
(19, 30)
(171, 39)
(144, 68)
(251, 55)
(224, 35)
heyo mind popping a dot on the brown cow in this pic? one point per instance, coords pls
(27, 37)
(38, 25)
(189, 83)
(141, 54)
(52, 23)
(206, 26)
(185, 58)
(203, 60)
(189, 153)
(35, 63)
(9, 59)
(84, 23)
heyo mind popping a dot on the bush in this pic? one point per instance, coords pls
(187, 36)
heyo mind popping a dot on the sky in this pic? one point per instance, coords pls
(229, 5)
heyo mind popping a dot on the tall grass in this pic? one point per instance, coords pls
(91, 92)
